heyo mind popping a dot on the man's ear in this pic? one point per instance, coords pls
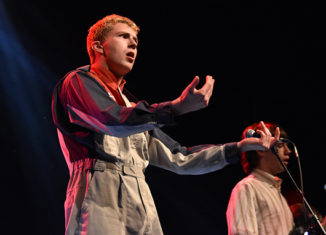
(97, 47)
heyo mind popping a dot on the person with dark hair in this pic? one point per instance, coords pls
(256, 204)
(108, 138)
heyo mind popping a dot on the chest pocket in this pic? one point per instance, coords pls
(137, 147)
(127, 149)
(108, 146)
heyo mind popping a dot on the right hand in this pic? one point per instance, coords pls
(263, 143)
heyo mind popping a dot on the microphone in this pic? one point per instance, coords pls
(251, 133)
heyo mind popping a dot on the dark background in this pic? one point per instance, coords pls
(267, 61)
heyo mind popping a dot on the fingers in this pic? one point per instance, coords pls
(263, 143)
(263, 127)
(207, 90)
(210, 81)
(265, 131)
(267, 139)
(192, 99)
(261, 133)
(265, 135)
(193, 84)
(277, 134)
(209, 85)
(262, 130)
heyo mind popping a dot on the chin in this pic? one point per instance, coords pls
(120, 70)
(280, 171)
(127, 69)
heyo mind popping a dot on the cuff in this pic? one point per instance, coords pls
(164, 114)
(232, 153)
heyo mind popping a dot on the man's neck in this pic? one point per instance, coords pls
(266, 168)
(102, 68)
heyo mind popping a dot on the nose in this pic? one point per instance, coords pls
(132, 44)
(287, 150)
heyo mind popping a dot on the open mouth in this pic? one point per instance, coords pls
(131, 56)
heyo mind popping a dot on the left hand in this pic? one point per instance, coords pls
(193, 99)
(263, 143)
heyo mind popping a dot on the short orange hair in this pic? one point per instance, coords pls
(99, 30)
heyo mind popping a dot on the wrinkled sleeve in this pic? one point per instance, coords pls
(166, 153)
(87, 104)
(241, 212)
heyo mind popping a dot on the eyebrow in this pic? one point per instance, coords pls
(134, 37)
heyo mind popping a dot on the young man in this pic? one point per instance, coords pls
(256, 205)
(108, 140)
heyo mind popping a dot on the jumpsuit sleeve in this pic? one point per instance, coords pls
(241, 211)
(87, 104)
(166, 153)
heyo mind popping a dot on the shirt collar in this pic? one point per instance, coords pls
(108, 77)
(272, 180)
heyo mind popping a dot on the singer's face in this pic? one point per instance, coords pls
(270, 161)
(120, 49)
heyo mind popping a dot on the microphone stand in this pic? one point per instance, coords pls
(275, 151)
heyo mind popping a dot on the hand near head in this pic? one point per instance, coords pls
(263, 143)
(193, 99)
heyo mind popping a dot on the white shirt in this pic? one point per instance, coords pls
(256, 206)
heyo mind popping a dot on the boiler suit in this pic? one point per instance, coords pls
(107, 148)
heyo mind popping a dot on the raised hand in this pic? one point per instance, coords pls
(193, 99)
(263, 143)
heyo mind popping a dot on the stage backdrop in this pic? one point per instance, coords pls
(268, 64)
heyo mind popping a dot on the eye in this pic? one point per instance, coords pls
(124, 35)
(280, 145)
